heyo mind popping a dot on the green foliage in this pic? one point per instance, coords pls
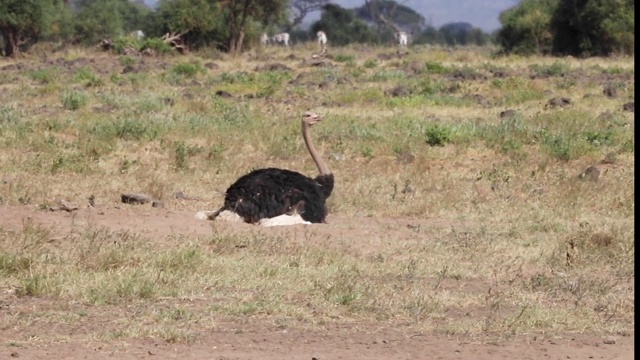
(399, 14)
(526, 27)
(438, 135)
(125, 129)
(211, 22)
(568, 27)
(429, 87)
(193, 17)
(10, 115)
(101, 19)
(20, 19)
(562, 147)
(386, 75)
(187, 69)
(371, 63)
(127, 60)
(461, 33)
(44, 76)
(73, 99)
(156, 44)
(436, 67)
(558, 68)
(345, 58)
(593, 27)
(87, 77)
(345, 27)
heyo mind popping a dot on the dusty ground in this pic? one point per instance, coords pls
(261, 338)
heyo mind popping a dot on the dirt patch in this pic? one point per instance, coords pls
(250, 337)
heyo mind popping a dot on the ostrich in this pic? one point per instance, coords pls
(271, 196)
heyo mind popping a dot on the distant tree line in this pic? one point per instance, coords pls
(577, 27)
(568, 27)
(225, 24)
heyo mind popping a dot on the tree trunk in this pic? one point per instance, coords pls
(239, 42)
(235, 47)
(10, 42)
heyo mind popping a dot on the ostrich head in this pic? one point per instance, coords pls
(311, 118)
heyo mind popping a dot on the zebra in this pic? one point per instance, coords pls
(281, 38)
(322, 41)
(138, 34)
(403, 39)
(264, 39)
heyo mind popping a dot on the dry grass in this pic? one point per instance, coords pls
(540, 251)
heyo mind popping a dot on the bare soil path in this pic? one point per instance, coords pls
(260, 338)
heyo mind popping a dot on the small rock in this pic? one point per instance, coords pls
(481, 100)
(169, 101)
(274, 67)
(610, 91)
(63, 205)
(507, 113)
(416, 67)
(135, 198)
(538, 191)
(610, 158)
(628, 106)
(606, 116)
(559, 101)
(592, 173)
(157, 204)
(499, 74)
(609, 340)
(385, 56)
(8, 179)
(398, 91)
(223, 94)
(408, 189)
(128, 69)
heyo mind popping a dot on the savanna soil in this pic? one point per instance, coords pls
(258, 335)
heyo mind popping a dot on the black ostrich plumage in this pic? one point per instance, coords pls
(267, 193)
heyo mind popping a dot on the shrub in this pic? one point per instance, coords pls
(558, 68)
(73, 99)
(437, 135)
(436, 67)
(187, 70)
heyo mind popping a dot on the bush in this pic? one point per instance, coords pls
(187, 70)
(437, 135)
(73, 99)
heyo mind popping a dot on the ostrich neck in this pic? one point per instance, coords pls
(322, 167)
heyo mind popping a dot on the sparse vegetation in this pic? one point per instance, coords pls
(493, 232)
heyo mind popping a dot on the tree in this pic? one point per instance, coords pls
(430, 35)
(301, 8)
(593, 27)
(23, 21)
(200, 22)
(99, 19)
(224, 23)
(462, 33)
(391, 15)
(240, 13)
(526, 27)
(345, 27)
